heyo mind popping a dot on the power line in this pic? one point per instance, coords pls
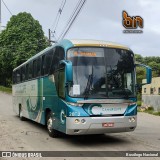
(72, 18)
(56, 21)
(7, 7)
(55, 24)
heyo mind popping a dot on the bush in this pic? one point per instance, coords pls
(139, 103)
(150, 108)
(5, 89)
(156, 113)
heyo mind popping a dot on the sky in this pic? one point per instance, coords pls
(99, 19)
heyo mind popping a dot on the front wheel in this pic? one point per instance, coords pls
(52, 132)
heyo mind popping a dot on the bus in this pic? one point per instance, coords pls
(79, 87)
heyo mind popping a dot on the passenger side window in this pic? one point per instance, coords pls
(30, 70)
(23, 73)
(46, 63)
(27, 72)
(38, 67)
(59, 55)
(43, 66)
(18, 76)
(14, 77)
(34, 68)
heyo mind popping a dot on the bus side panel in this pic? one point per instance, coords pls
(50, 98)
(19, 96)
(14, 100)
(35, 101)
(54, 103)
(28, 95)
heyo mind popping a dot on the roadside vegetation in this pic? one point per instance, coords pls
(22, 38)
(6, 89)
(149, 110)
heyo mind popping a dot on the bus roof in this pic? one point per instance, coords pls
(98, 43)
(78, 43)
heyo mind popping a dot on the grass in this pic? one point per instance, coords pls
(149, 110)
(6, 89)
(156, 113)
(152, 112)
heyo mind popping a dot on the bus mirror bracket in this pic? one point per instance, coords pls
(68, 70)
(148, 73)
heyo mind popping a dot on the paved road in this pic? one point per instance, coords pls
(29, 136)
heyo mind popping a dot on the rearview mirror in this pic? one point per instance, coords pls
(68, 70)
(148, 73)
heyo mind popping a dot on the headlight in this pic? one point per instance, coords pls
(132, 119)
(75, 104)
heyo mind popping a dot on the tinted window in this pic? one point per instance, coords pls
(57, 57)
(27, 72)
(38, 67)
(23, 73)
(30, 71)
(34, 68)
(48, 61)
(43, 66)
(18, 76)
(14, 77)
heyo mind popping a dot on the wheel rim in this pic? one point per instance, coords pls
(49, 124)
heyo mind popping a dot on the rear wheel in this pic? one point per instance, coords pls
(21, 114)
(52, 132)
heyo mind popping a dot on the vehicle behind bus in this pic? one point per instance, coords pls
(79, 87)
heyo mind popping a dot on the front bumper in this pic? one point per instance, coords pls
(93, 125)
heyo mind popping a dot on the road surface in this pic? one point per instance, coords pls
(16, 135)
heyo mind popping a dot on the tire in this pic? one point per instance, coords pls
(52, 132)
(21, 114)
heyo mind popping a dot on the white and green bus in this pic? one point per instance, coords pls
(79, 87)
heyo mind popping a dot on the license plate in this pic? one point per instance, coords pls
(109, 124)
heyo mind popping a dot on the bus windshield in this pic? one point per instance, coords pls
(102, 72)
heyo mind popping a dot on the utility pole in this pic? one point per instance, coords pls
(50, 35)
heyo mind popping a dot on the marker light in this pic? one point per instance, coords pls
(83, 120)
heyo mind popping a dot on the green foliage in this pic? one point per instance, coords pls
(153, 62)
(156, 113)
(139, 103)
(22, 38)
(5, 89)
(139, 97)
(150, 108)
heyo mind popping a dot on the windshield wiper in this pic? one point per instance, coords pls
(89, 83)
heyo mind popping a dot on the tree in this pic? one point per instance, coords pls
(22, 38)
(139, 58)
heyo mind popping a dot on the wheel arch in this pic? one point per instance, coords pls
(47, 110)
